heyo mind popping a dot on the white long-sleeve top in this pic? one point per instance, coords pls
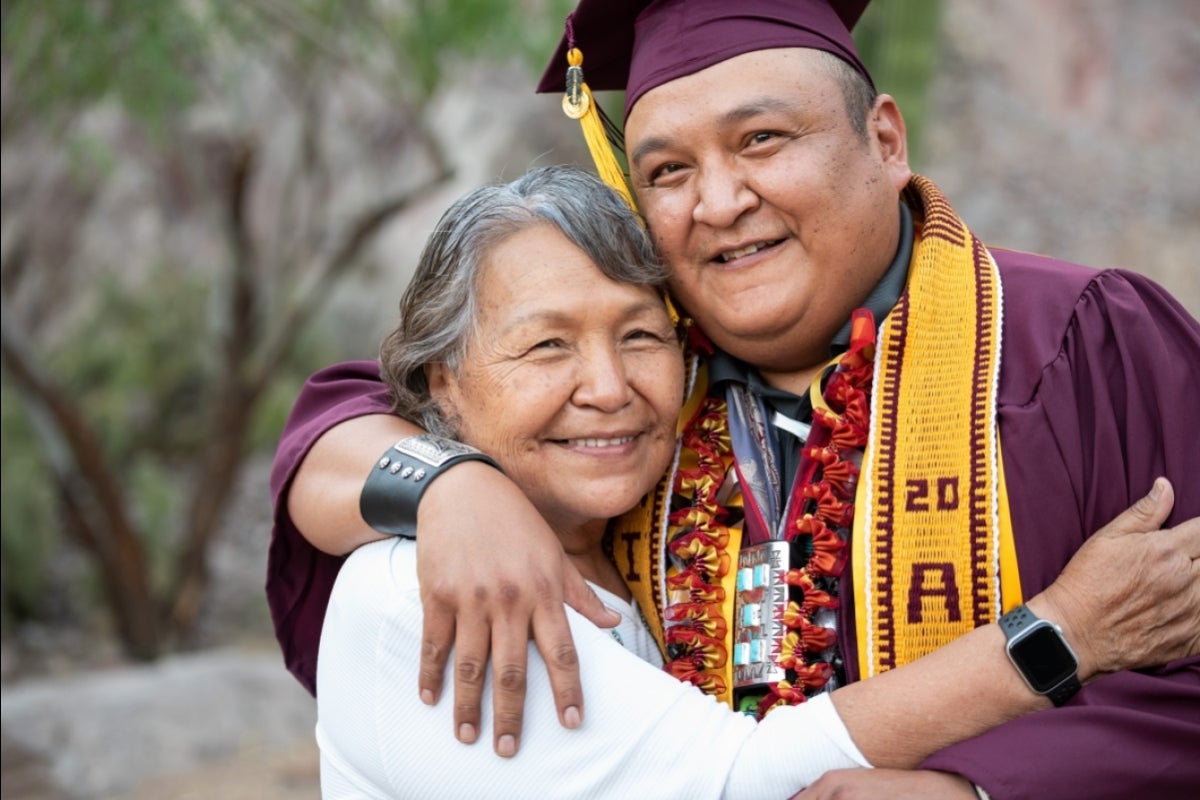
(644, 734)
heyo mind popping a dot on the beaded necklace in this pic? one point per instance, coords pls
(698, 534)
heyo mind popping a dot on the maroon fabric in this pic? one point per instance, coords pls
(300, 577)
(1099, 377)
(636, 46)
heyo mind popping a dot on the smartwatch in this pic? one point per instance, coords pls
(1043, 658)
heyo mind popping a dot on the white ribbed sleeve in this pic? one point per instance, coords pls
(644, 734)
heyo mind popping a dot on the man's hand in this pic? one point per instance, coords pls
(492, 573)
(894, 784)
(1130, 597)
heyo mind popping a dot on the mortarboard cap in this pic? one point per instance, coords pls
(637, 45)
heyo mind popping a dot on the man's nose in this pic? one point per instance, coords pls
(723, 195)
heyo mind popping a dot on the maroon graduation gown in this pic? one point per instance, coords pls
(1099, 380)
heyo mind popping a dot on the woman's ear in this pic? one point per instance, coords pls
(440, 380)
(444, 392)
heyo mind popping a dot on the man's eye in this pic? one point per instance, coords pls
(761, 137)
(548, 344)
(665, 170)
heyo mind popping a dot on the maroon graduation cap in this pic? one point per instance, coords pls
(636, 45)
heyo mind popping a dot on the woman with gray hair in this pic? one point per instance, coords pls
(535, 333)
(438, 311)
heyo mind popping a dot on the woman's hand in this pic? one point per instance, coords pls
(1130, 597)
(492, 574)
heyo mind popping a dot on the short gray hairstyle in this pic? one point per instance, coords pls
(439, 307)
(857, 92)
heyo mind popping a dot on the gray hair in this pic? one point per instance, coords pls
(439, 307)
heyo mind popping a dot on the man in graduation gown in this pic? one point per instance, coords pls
(975, 413)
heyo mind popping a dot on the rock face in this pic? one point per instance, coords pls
(107, 733)
(1067, 129)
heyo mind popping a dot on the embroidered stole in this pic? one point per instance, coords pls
(927, 533)
(930, 528)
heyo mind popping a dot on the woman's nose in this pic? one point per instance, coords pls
(602, 380)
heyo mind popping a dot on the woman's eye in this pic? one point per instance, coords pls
(643, 334)
(548, 344)
(761, 137)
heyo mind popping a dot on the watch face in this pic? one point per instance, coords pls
(1044, 657)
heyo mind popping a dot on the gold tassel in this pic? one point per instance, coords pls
(579, 104)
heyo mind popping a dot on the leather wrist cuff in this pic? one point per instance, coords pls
(393, 489)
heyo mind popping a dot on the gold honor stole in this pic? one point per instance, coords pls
(933, 552)
(932, 540)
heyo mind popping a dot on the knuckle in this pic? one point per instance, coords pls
(569, 696)
(511, 679)
(564, 656)
(431, 651)
(438, 592)
(1144, 507)
(469, 673)
(508, 594)
(508, 721)
(543, 589)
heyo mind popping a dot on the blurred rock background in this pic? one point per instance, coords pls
(211, 200)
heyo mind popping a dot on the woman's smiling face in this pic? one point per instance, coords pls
(571, 381)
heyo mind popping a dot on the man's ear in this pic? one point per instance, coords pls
(890, 134)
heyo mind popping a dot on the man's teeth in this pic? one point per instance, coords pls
(600, 442)
(745, 251)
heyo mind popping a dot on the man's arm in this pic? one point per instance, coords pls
(1110, 627)
(514, 570)
(323, 498)
(1102, 372)
(649, 733)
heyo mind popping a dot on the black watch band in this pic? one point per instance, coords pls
(1041, 655)
(393, 489)
(1064, 691)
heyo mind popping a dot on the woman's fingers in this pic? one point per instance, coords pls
(470, 671)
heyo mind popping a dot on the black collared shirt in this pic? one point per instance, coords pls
(723, 368)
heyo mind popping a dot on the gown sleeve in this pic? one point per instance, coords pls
(299, 576)
(1099, 400)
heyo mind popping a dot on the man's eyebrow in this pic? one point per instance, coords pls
(648, 147)
(737, 114)
(753, 108)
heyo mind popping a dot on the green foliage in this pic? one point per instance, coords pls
(898, 42)
(150, 55)
(140, 363)
(28, 535)
(480, 26)
(63, 54)
(434, 29)
(141, 359)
